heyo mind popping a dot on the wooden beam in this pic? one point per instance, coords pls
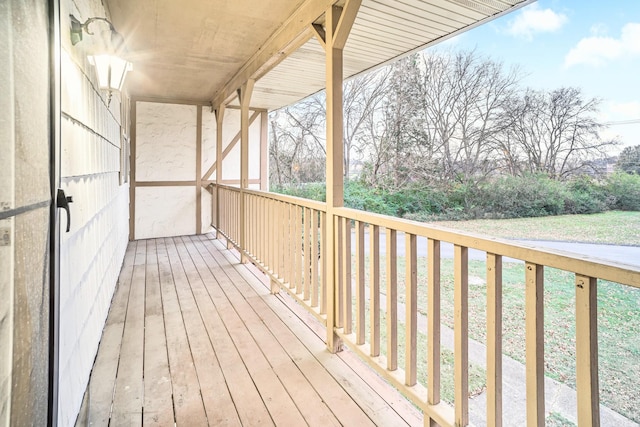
(219, 121)
(244, 94)
(199, 169)
(335, 155)
(264, 151)
(229, 147)
(320, 34)
(347, 17)
(132, 172)
(293, 33)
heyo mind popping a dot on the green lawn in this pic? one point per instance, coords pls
(614, 227)
(618, 325)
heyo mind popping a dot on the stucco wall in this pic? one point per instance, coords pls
(166, 153)
(93, 250)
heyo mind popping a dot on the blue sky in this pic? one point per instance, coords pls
(591, 44)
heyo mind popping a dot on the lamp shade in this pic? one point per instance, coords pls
(111, 71)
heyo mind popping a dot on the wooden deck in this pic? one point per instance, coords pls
(195, 338)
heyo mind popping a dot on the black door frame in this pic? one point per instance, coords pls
(54, 229)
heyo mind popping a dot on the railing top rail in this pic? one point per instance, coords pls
(226, 187)
(582, 264)
(307, 203)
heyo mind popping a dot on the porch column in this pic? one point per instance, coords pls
(219, 119)
(244, 95)
(333, 37)
(264, 151)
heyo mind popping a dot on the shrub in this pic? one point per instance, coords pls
(358, 195)
(527, 196)
(625, 189)
(584, 195)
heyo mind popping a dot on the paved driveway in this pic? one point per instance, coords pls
(621, 254)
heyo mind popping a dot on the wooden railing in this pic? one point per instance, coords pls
(285, 237)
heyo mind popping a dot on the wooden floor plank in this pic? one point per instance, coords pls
(103, 376)
(308, 402)
(374, 398)
(246, 398)
(158, 403)
(187, 401)
(193, 337)
(279, 404)
(306, 356)
(215, 393)
(128, 393)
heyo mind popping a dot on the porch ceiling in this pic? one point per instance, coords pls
(202, 50)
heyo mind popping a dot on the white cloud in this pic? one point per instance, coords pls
(597, 50)
(533, 20)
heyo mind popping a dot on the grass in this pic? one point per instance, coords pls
(556, 420)
(618, 325)
(613, 227)
(477, 374)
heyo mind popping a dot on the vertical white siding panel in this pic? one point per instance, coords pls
(93, 250)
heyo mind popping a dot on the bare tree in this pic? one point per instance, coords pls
(362, 99)
(555, 132)
(463, 99)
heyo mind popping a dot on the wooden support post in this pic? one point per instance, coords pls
(244, 93)
(132, 172)
(587, 383)
(219, 121)
(264, 152)
(338, 23)
(199, 169)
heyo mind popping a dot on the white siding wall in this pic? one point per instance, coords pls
(93, 250)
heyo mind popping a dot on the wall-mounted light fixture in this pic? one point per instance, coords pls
(111, 69)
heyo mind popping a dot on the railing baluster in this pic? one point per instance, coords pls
(433, 317)
(534, 302)
(494, 340)
(346, 277)
(461, 334)
(374, 288)
(324, 252)
(307, 254)
(314, 258)
(295, 241)
(337, 227)
(587, 384)
(411, 309)
(274, 235)
(360, 310)
(251, 224)
(282, 238)
(392, 300)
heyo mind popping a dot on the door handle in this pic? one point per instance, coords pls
(62, 201)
